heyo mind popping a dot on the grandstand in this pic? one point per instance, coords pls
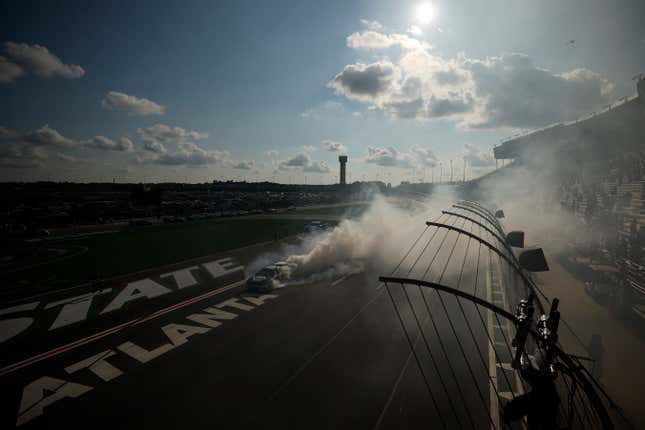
(596, 165)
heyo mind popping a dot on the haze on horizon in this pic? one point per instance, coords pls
(197, 91)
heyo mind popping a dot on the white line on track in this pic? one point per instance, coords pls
(339, 280)
(72, 345)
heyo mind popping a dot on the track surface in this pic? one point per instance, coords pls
(316, 356)
(329, 354)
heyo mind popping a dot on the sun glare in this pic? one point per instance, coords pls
(426, 12)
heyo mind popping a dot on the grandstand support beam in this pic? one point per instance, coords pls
(512, 261)
(454, 291)
(481, 214)
(491, 216)
(474, 221)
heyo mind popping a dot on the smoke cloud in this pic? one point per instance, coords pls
(376, 240)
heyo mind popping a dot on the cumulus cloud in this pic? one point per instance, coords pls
(157, 136)
(190, 154)
(476, 158)
(374, 40)
(154, 146)
(372, 25)
(15, 154)
(130, 104)
(332, 146)
(103, 143)
(21, 58)
(317, 167)
(31, 148)
(47, 136)
(308, 148)
(175, 146)
(297, 161)
(303, 162)
(388, 157)
(67, 158)
(415, 30)
(516, 93)
(504, 91)
(125, 144)
(416, 157)
(365, 82)
(9, 71)
(425, 156)
(272, 153)
(244, 165)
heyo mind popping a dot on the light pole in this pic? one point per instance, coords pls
(464, 169)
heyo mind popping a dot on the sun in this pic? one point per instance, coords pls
(426, 12)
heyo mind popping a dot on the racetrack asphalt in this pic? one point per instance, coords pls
(329, 354)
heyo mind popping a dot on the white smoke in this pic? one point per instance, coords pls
(377, 239)
(530, 200)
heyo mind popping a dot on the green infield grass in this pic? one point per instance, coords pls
(54, 264)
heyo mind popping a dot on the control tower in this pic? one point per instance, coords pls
(342, 159)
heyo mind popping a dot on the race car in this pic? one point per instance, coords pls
(270, 276)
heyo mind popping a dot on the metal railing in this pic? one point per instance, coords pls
(483, 360)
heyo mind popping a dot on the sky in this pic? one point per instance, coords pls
(198, 91)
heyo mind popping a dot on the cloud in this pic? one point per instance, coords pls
(388, 157)
(244, 165)
(272, 153)
(154, 146)
(415, 30)
(308, 148)
(365, 82)
(372, 25)
(476, 158)
(425, 156)
(16, 154)
(443, 107)
(332, 146)
(131, 105)
(67, 158)
(125, 144)
(450, 76)
(401, 89)
(9, 71)
(31, 148)
(21, 58)
(156, 137)
(417, 157)
(304, 163)
(103, 143)
(190, 154)
(175, 146)
(516, 93)
(325, 108)
(373, 40)
(47, 136)
(297, 161)
(317, 167)
(504, 91)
